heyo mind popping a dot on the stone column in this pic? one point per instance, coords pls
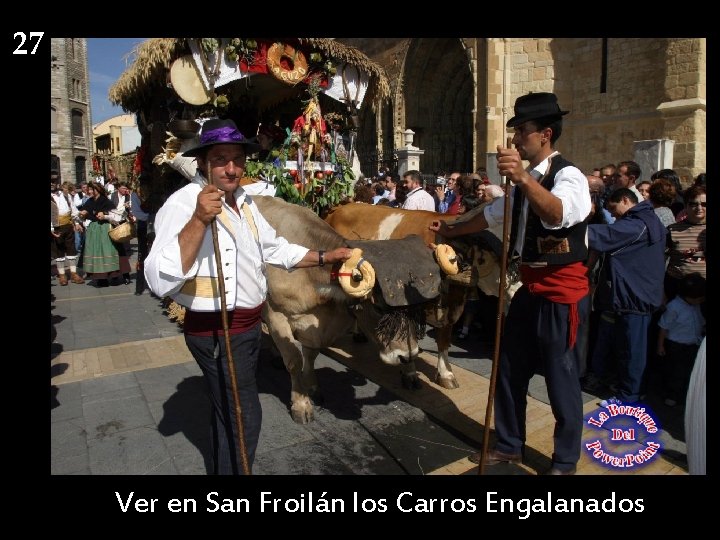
(498, 89)
(409, 156)
(653, 155)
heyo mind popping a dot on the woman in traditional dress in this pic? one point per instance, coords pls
(100, 256)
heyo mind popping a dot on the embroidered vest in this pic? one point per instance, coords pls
(545, 246)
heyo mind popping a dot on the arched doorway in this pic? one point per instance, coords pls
(438, 95)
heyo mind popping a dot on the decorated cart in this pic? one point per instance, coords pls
(301, 97)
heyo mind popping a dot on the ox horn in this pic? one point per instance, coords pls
(447, 259)
(357, 276)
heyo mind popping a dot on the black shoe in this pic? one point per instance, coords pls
(554, 471)
(138, 293)
(126, 279)
(102, 283)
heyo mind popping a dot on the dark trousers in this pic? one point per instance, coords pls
(606, 345)
(631, 332)
(142, 240)
(536, 336)
(64, 246)
(677, 367)
(209, 352)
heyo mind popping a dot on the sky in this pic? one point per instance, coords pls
(106, 61)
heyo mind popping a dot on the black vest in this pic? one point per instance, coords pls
(552, 247)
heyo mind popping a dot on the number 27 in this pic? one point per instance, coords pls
(19, 49)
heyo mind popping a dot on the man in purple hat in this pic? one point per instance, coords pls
(181, 264)
(546, 323)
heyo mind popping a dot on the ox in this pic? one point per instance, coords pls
(382, 222)
(306, 310)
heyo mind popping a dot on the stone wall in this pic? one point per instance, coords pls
(683, 112)
(654, 89)
(641, 75)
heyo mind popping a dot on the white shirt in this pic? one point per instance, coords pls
(62, 203)
(119, 212)
(244, 258)
(419, 199)
(571, 187)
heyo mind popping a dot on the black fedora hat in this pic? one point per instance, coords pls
(533, 106)
(217, 131)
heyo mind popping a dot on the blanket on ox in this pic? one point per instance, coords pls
(405, 269)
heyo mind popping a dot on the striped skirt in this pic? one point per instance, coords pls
(100, 254)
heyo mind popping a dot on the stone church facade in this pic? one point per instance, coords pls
(71, 141)
(457, 94)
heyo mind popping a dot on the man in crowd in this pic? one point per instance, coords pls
(417, 197)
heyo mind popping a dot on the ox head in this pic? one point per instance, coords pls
(406, 278)
(479, 261)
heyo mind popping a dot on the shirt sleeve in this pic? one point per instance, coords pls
(276, 250)
(571, 187)
(608, 238)
(163, 266)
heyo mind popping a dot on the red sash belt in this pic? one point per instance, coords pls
(207, 323)
(566, 284)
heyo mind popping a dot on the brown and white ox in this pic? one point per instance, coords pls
(306, 310)
(377, 222)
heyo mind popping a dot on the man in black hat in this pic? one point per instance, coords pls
(545, 326)
(181, 264)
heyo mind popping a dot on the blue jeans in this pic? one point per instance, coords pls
(79, 241)
(632, 333)
(209, 352)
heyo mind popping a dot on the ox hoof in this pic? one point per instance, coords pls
(447, 382)
(360, 338)
(302, 413)
(411, 382)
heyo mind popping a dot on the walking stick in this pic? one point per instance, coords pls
(228, 348)
(500, 319)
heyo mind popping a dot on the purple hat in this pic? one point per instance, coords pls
(217, 131)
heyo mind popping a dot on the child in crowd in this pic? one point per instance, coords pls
(682, 327)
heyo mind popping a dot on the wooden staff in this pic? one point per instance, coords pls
(500, 319)
(228, 347)
(223, 311)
